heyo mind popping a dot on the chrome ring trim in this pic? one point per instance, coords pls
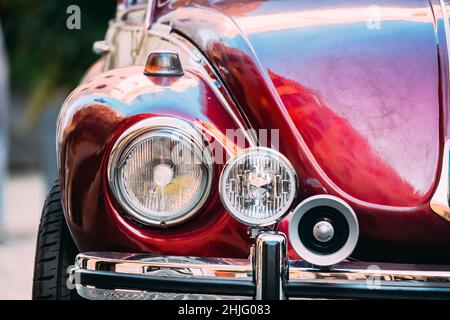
(226, 169)
(141, 130)
(342, 207)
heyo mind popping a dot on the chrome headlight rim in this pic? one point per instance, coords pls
(145, 129)
(229, 207)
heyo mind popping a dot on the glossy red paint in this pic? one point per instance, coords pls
(94, 117)
(362, 114)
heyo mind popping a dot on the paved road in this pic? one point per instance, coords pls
(24, 199)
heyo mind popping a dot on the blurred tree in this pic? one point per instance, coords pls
(45, 56)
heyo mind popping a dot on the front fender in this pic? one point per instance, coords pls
(92, 118)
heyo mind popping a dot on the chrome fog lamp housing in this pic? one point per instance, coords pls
(323, 230)
(258, 186)
(160, 171)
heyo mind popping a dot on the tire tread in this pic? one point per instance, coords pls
(55, 252)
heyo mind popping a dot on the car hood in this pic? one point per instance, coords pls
(353, 89)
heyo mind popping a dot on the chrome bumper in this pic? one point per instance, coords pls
(269, 276)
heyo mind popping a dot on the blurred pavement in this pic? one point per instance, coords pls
(25, 195)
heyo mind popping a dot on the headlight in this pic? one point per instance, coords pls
(159, 172)
(258, 186)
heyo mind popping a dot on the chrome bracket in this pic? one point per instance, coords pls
(102, 47)
(271, 265)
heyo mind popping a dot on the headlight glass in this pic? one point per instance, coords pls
(162, 176)
(258, 186)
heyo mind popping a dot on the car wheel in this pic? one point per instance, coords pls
(55, 252)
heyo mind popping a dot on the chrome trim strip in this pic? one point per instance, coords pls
(439, 202)
(148, 264)
(299, 270)
(372, 274)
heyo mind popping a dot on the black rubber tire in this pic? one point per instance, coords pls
(55, 252)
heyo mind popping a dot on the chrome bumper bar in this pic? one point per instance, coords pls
(269, 276)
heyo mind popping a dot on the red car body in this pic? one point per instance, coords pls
(357, 90)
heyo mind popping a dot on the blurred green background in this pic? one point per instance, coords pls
(46, 61)
(45, 56)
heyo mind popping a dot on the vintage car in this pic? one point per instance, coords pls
(255, 149)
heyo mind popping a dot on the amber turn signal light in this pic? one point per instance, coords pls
(163, 64)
